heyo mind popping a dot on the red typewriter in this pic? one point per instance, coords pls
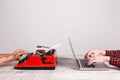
(40, 59)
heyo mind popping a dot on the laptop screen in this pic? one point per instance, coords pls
(72, 49)
(73, 53)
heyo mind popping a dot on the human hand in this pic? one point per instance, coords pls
(99, 59)
(16, 55)
(92, 53)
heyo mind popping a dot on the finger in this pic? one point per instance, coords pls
(18, 51)
(26, 52)
(92, 54)
(18, 59)
(21, 51)
(19, 54)
(91, 59)
(89, 54)
(91, 62)
(86, 56)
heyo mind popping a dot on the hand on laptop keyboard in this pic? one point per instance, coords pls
(84, 63)
(91, 65)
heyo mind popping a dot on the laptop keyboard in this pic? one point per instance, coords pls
(84, 64)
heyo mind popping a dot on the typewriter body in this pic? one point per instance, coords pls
(40, 59)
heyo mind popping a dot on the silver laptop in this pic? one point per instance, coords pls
(82, 63)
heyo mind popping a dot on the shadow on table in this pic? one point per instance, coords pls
(8, 64)
(67, 63)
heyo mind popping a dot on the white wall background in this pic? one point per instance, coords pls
(91, 24)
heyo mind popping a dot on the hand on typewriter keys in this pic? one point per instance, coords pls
(16, 55)
(25, 58)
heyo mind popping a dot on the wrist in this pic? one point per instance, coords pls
(107, 58)
(6, 59)
(103, 52)
(10, 57)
